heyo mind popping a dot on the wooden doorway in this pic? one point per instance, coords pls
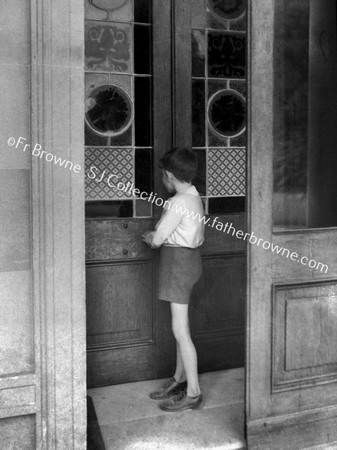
(176, 72)
(291, 353)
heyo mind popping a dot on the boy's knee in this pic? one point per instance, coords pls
(179, 332)
(175, 330)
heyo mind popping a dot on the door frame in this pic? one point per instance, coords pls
(59, 221)
(57, 225)
(259, 186)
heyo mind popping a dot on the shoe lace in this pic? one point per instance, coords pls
(169, 382)
(179, 396)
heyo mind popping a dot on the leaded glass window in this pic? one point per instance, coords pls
(219, 74)
(118, 107)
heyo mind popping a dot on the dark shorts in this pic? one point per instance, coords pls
(179, 270)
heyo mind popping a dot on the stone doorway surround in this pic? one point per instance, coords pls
(57, 88)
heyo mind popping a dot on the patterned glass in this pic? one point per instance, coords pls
(227, 113)
(118, 107)
(109, 10)
(219, 71)
(108, 110)
(108, 47)
(227, 178)
(226, 55)
(227, 9)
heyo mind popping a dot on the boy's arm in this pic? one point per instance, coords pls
(166, 225)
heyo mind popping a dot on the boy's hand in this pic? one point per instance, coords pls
(147, 238)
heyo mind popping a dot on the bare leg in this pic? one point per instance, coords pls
(181, 331)
(179, 374)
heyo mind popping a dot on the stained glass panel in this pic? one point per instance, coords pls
(94, 13)
(124, 82)
(239, 86)
(215, 140)
(226, 170)
(226, 205)
(198, 14)
(108, 173)
(142, 49)
(118, 106)
(215, 23)
(142, 11)
(226, 55)
(227, 9)
(227, 113)
(238, 25)
(109, 209)
(143, 170)
(93, 139)
(108, 47)
(200, 180)
(93, 80)
(216, 85)
(109, 110)
(239, 141)
(122, 140)
(219, 100)
(198, 113)
(117, 10)
(143, 120)
(198, 53)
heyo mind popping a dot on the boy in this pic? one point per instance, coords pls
(179, 232)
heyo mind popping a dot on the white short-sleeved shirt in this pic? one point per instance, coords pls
(181, 223)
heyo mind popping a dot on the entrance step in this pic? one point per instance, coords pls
(129, 419)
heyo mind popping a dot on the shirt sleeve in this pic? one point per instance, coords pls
(171, 218)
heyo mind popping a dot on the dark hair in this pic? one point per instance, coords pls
(182, 162)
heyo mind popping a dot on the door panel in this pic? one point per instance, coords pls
(217, 312)
(160, 105)
(125, 234)
(130, 320)
(304, 356)
(292, 361)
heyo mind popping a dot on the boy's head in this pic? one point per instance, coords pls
(181, 162)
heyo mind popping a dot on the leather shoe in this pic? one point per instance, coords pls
(182, 401)
(170, 388)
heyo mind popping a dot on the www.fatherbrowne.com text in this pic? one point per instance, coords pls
(129, 188)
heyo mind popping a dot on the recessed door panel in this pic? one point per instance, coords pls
(130, 319)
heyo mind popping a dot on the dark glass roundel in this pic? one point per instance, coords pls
(227, 113)
(228, 9)
(108, 110)
(108, 5)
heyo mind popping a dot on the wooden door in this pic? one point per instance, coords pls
(163, 63)
(292, 312)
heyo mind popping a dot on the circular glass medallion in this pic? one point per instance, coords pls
(227, 113)
(228, 9)
(108, 110)
(109, 5)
